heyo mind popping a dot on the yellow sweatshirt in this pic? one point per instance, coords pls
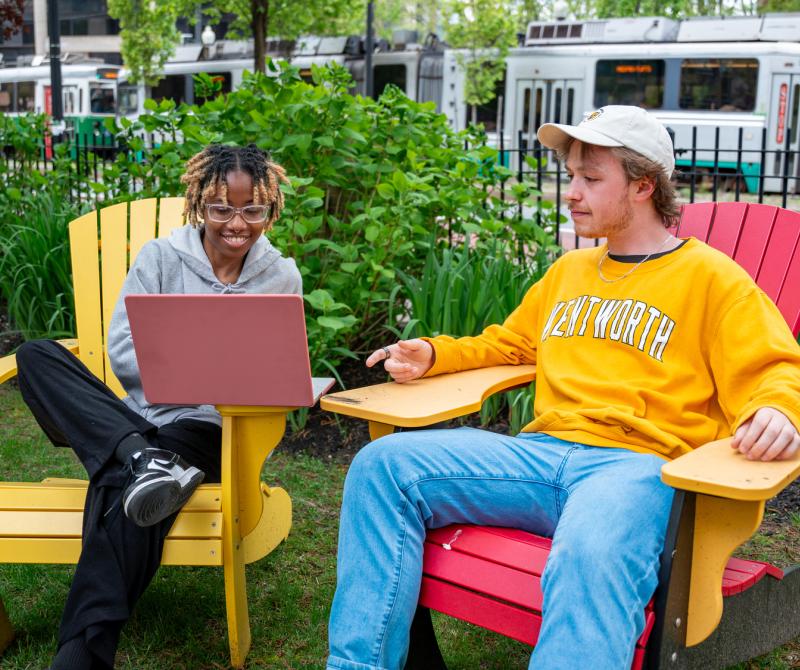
(678, 353)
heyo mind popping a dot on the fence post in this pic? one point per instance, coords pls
(785, 181)
(501, 158)
(763, 171)
(692, 181)
(558, 201)
(537, 155)
(739, 174)
(520, 163)
(716, 165)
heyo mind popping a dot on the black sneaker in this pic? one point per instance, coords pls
(162, 483)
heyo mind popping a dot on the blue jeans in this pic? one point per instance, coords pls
(605, 508)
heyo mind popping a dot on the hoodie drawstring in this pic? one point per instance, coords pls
(227, 288)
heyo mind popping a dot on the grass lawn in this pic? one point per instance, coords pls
(180, 622)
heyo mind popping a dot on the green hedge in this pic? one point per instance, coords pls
(376, 186)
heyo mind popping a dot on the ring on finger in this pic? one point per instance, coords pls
(387, 352)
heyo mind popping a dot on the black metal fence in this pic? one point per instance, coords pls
(756, 174)
(81, 158)
(748, 177)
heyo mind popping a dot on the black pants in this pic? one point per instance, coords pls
(118, 558)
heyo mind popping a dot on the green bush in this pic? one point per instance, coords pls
(35, 275)
(375, 186)
(35, 268)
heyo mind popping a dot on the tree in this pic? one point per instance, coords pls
(149, 34)
(261, 19)
(530, 10)
(777, 6)
(485, 29)
(10, 17)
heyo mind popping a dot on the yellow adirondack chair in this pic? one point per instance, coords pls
(229, 524)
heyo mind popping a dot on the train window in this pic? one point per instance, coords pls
(430, 81)
(526, 110)
(724, 84)
(537, 109)
(536, 31)
(487, 113)
(71, 100)
(101, 100)
(128, 99)
(7, 97)
(383, 75)
(26, 96)
(547, 31)
(570, 105)
(629, 82)
(557, 110)
(575, 30)
(173, 87)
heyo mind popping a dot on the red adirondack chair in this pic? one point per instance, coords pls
(490, 576)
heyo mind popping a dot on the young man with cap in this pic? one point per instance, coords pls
(646, 347)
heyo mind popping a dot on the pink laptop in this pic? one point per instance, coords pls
(223, 349)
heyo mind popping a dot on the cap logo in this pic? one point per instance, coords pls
(593, 115)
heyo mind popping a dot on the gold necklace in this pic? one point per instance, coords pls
(629, 272)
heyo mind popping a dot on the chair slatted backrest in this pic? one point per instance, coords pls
(763, 239)
(103, 244)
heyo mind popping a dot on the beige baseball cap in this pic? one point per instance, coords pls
(616, 126)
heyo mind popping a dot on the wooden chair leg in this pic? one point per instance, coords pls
(423, 650)
(249, 434)
(236, 604)
(6, 629)
(233, 549)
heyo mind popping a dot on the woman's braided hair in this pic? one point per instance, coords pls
(206, 173)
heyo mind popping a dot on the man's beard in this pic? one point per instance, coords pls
(618, 224)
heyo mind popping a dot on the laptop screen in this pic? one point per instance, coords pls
(243, 349)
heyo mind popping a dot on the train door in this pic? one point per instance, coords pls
(546, 101)
(783, 132)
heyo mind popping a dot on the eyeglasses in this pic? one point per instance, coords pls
(250, 213)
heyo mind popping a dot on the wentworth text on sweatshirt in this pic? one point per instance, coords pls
(678, 353)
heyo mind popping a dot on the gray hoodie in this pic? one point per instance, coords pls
(179, 265)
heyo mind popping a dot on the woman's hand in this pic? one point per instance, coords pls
(405, 360)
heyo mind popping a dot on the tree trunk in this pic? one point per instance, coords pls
(259, 10)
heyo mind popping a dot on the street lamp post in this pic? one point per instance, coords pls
(54, 34)
(369, 47)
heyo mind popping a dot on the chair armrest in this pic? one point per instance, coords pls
(729, 506)
(716, 469)
(428, 400)
(8, 364)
